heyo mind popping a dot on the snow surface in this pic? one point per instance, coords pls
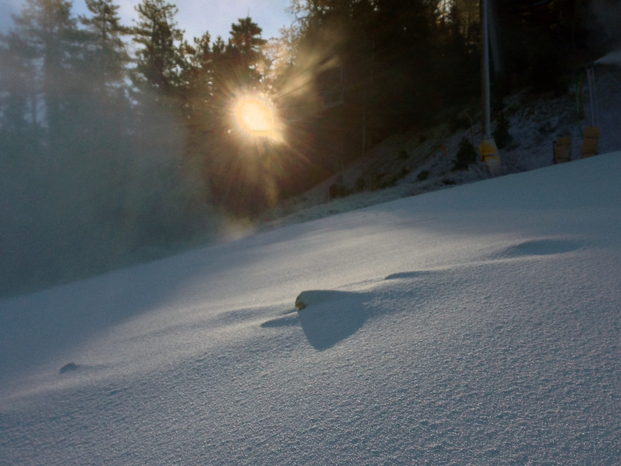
(475, 325)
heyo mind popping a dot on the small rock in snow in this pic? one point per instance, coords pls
(72, 366)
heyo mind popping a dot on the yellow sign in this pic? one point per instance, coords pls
(489, 155)
(590, 142)
(488, 148)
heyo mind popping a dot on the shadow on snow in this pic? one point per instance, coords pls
(328, 316)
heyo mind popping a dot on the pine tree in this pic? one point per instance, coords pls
(47, 32)
(159, 61)
(247, 42)
(107, 56)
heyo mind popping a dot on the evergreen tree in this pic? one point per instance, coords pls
(246, 44)
(47, 32)
(108, 56)
(160, 60)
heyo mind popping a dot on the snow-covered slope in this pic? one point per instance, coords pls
(536, 121)
(475, 325)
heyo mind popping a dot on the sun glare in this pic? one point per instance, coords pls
(255, 116)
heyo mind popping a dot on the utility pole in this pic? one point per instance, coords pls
(487, 106)
(488, 149)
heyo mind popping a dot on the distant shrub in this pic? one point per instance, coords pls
(466, 155)
(422, 176)
(501, 134)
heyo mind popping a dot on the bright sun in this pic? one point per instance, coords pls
(255, 115)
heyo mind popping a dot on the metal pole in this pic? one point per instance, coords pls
(488, 149)
(487, 134)
(494, 41)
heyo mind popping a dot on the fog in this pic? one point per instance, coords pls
(90, 181)
(99, 171)
(107, 138)
(96, 208)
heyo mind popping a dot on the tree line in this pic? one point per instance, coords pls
(404, 63)
(116, 139)
(103, 151)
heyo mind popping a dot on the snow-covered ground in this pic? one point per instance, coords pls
(474, 325)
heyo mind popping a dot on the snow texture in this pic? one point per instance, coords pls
(474, 325)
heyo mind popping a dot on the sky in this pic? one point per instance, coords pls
(195, 16)
(474, 325)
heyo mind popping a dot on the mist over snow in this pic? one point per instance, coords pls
(474, 325)
(99, 202)
(96, 164)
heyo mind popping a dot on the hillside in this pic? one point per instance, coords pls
(396, 165)
(474, 325)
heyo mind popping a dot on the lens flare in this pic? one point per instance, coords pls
(255, 116)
